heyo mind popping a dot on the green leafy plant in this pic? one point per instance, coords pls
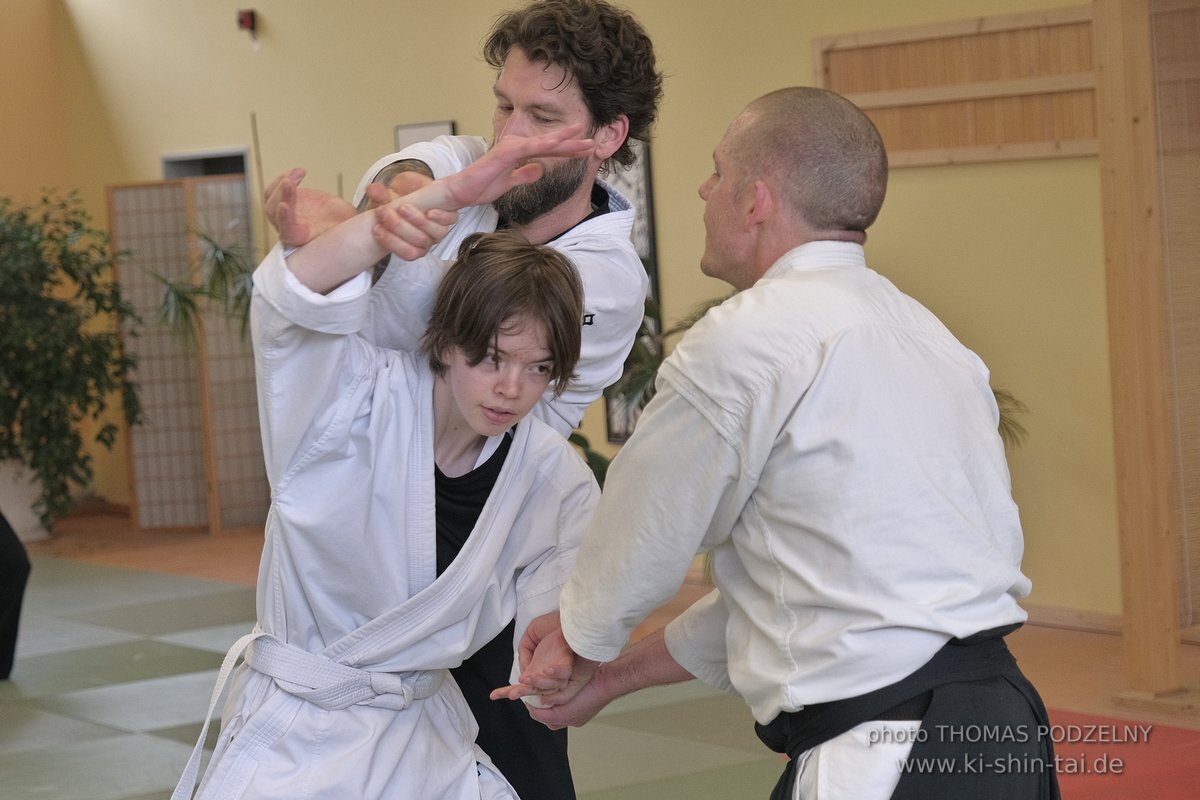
(219, 282)
(1012, 431)
(60, 315)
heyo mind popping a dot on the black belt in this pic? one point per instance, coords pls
(981, 656)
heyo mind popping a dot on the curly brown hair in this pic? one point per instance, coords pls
(603, 48)
(499, 278)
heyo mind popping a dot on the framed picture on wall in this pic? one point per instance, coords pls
(414, 132)
(635, 185)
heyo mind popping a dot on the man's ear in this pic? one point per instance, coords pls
(610, 137)
(762, 203)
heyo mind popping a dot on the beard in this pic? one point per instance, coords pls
(521, 205)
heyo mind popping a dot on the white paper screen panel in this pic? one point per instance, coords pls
(201, 430)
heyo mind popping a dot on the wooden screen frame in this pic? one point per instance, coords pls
(1018, 86)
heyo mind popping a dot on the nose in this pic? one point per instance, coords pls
(508, 382)
(705, 188)
(515, 125)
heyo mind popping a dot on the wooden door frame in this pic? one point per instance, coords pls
(1147, 473)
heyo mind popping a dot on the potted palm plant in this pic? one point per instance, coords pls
(61, 311)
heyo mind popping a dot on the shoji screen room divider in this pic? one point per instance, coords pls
(196, 462)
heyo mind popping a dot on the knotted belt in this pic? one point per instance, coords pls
(315, 679)
(334, 686)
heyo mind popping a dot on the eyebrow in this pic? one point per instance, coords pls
(556, 108)
(501, 352)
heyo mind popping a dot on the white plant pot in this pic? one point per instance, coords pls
(18, 492)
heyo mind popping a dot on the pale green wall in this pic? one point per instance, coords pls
(1009, 255)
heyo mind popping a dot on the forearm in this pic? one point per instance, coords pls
(338, 255)
(646, 663)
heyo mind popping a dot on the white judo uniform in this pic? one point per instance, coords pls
(615, 283)
(345, 691)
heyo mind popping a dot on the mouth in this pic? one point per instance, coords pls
(498, 416)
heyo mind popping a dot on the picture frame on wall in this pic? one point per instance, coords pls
(636, 186)
(413, 132)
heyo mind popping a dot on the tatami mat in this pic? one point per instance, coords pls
(122, 633)
(115, 667)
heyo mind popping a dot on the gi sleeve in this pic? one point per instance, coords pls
(304, 360)
(674, 490)
(570, 488)
(696, 639)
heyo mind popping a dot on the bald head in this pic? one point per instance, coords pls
(818, 151)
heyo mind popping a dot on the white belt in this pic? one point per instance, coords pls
(313, 678)
(335, 686)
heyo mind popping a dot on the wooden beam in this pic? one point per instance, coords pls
(203, 382)
(1025, 151)
(965, 27)
(1146, 479)
(926, 95)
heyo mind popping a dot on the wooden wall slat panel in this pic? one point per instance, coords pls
(1018, 86)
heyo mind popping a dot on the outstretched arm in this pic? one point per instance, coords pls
(299, 214)
(338, 255)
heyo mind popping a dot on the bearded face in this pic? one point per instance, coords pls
(521, 205)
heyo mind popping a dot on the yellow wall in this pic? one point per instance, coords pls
(33, 131)
(1009, 255)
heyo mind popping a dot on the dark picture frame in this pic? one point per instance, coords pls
(636, 185)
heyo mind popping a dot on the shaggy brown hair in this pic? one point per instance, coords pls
(500, 279)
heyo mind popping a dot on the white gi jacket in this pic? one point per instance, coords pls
(835, 447)
(615, 283)
(345, 693)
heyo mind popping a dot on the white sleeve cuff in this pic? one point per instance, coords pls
(342, 311)
(696, 639)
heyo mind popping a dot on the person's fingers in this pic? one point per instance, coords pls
(405, 231)
(406, 182)
(544, 682)
(377, 195)
(417, 227)
(292, 233)
(270, 190)
(548, 717)
(441, 216)
(512, 692)
(293, 176)
(526, 174)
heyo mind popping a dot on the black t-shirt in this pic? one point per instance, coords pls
(531, 756)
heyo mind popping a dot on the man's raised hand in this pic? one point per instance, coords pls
(298, 214)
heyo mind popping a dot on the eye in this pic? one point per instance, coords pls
(543, 369)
